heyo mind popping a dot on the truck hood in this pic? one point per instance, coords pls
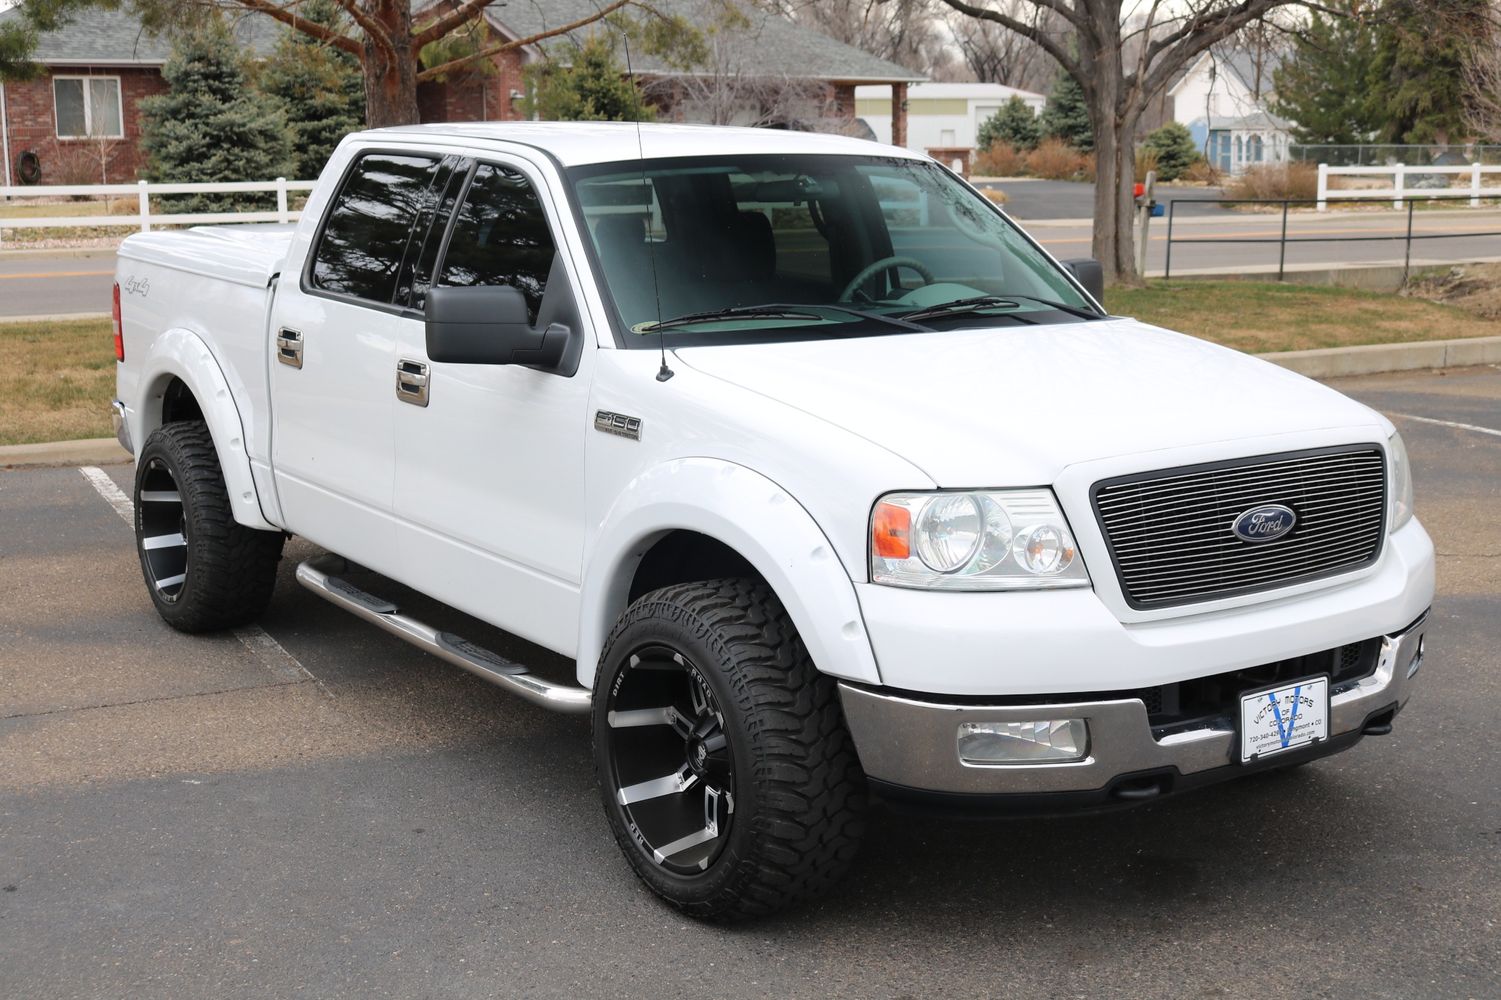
(1015, 405)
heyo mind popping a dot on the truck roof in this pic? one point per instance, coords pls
(576, 143)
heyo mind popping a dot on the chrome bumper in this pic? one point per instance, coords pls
(906, 742)
(122, 427)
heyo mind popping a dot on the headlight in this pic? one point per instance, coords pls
(998, 540)
(1401, 483)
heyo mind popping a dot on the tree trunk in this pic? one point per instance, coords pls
(1115, 166)
(1114, 244)
(390, 68)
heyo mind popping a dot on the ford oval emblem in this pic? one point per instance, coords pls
(1264, 523)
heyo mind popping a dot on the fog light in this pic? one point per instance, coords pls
(1044, 741)
(1417, 658)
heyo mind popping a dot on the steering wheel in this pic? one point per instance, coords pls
(876, 267)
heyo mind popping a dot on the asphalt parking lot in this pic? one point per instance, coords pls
(317, 810)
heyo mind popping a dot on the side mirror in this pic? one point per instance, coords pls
(1088, 272)
(488, 325)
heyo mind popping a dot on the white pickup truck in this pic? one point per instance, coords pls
(831, 481)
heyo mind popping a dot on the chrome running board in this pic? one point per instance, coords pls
(317, 576)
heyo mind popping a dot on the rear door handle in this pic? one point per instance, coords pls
(289, 347)
(411, 382)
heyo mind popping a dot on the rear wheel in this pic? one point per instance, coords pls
(727, 773)
(204, 570)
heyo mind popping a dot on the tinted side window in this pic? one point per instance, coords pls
(500, 237)
(366, 232)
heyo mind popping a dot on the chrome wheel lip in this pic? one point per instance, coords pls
(681, 759)
(162, 532)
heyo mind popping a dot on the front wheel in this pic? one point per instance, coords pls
(727, 773)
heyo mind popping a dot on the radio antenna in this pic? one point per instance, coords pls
(663, 372)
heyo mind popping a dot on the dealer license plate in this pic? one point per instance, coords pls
(1284, 718)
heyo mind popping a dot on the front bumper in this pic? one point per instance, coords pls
(908, 744)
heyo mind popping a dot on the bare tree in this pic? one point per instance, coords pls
(995, 54)
(1118, 89)
(1483, 84)
(727, 86)
(907, 32)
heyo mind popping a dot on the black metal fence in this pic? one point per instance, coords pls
(1282, 239)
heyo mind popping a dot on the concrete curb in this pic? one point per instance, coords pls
(90, 451)
(1372, 359)
(54, 317)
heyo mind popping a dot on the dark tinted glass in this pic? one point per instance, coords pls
(427, 235)
(365, 235)
(500, 237)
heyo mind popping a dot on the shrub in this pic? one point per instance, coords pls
(1055, 160)
(996, 195)
(1001, 160)
(1283, 180)
(1015, 125)
(1202, 172)
(1175, 150)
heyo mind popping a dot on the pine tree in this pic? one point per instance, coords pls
(1325, 86)
(1175, 149)
(1014, 124)
(211, 125)
(1066, 115)
(320, 89)
(1418, 70)
(593, 88)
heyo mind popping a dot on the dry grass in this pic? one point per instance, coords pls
(56, 381)
(1475, 288)
(32, 208)
(1291, 180)
(1257, 317)
(1001, 160)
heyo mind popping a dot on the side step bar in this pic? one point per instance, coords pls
(317, 576)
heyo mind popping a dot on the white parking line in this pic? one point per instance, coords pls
(1449, 423)
(271, 654)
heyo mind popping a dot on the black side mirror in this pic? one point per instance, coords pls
(488, 325)
(1088, 272)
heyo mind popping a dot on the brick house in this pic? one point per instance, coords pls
(80, 120)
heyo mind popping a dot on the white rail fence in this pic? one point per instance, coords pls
(1403, 187)
(144, 218)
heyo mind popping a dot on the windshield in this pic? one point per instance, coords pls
(721, 248)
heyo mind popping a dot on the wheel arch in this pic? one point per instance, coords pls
(181, 380)
(700, 514)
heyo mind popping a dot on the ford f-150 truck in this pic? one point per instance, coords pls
(830, 480)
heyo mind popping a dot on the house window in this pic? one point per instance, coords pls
(88, 107)
(1255, 148)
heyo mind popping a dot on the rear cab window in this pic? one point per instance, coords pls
(367, 233)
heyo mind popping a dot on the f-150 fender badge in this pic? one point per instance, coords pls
(618, 424)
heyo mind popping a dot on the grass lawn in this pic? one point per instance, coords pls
(1257, 317)
(56, 381)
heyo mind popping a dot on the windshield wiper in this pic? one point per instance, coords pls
(959, 307)
(768, 311)
(777, 310)
(1078, 311)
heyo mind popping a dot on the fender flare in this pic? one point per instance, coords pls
(752, 515)
(182, 354)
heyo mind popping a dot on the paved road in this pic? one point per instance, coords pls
(1039, 199)
(199, 817)
(53, 284)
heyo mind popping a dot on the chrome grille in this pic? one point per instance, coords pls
(1169, 531)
